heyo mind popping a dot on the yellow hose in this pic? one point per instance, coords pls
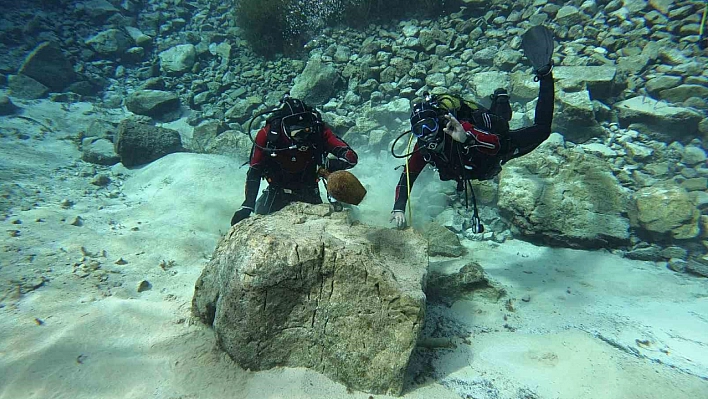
(408, 182)
(703, 21)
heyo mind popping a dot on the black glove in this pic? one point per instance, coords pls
(240, 215)
(334, 165)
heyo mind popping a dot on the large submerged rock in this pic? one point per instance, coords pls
(562, 196)
(306, 288)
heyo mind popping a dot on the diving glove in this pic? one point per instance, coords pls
(240, 214)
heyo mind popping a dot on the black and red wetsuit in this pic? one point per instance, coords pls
(292, 173)
(467, 161)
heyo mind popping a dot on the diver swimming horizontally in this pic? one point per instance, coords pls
(464, 141)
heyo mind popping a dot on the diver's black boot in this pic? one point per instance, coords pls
(500, 104)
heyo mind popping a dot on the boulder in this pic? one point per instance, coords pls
(139, 143)
(26, 88)
(155, 103)
(47, 65)
(110, 43)
(317, 84)
(305, 288)
(658, 120)
(178, 59)
(665, 210)
(564, 197)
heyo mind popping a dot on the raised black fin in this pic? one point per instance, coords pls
(538, 45)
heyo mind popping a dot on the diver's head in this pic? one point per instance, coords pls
(426, 125)
(299, 122)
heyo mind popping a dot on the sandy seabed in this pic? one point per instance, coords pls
(584, 324)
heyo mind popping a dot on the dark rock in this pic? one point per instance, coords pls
(684, 92)
(698, 268)
(48, 66)
(97, 10)
(26, 88)
(448, 287)
(6, 106)
(139, 143)
(110, 43)
(144, 286)
(155, 103)
(84, 88)
(650, 253)
(677, 265)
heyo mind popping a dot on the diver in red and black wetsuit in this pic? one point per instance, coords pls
(287, 153)
(466, 142)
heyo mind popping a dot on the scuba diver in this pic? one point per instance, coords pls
(287, 152)
(463, 141)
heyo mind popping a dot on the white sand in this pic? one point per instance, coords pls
(578, 336)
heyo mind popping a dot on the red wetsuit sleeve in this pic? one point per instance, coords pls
(416, 163)
(345, 157)
(255, 170)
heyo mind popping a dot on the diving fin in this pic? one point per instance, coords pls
(537, 43)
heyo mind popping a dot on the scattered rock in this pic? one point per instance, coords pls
(144, 286)
(110, 43)
(6, 106)
(697, 268)
(154, 103)
(99, 151)
(665, 209)
(441, 241)
(102, 180)
(677, 265)
(317, 84)
(78, 221)
(178, 59)
(447, 287)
